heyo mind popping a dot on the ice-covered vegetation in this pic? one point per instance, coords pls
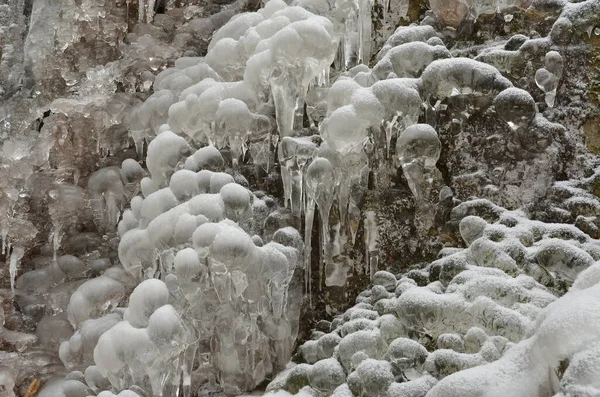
(163, 179)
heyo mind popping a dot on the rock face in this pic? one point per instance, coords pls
(192, 194)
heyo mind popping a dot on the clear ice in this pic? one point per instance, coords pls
(418, 149)
(548, 77)
(191, 282)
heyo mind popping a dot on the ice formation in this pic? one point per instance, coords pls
(498, 328)
(547, 78)
(418, 149)
(453, 13)
(193, 234)
(178, 163)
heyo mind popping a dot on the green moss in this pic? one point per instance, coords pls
(591, 130)
(297, 378)
(596, 188)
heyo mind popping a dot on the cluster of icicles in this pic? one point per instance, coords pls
(218, 259)
(277, 62)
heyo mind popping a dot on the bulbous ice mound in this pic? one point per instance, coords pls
(454, 12)
(516, 107)
(215, 303)
(575, 20)
(419, 142)
(277, 50)
(352, 110)
(418, 149)
(547, 78)
(218, 285)
(214, 281)
(408, 60)
(476, 322)
(566, 329)
(406, 34)
(462, 76)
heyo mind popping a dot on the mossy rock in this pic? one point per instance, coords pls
(591, 130)
(297, 378)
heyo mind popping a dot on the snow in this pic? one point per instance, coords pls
(209, 264)
(406, 34)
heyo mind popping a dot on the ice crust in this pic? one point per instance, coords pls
(498, 328)
(200, 273)
(207, 288)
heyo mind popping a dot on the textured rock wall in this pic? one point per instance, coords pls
(78, 97)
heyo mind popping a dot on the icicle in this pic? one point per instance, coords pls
(353, 166)
(320, 181)
(343, 195)
(299, 108)
(254, 336)
(113, 212)
(371, 244)
(141, 10)
(296, 193)
(285, 153)
(339, 62)
(326, 253)
(76, 176)
(364, 31)
(389, 131)
(351, 45)
(56, 238)
(294, 154)
(335, 241)
(259, 142)
(418, 150)
(309, 216)
(286, 97)
(4, 239)
(15, 258)
(386, 7)
(187, 366)
(323, 78)
(287, 186)
(138, 141)
(236, 145)
(150, 11)
(353, 220)
(323, 250)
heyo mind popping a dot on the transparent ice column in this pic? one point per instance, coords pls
(320, 188)
(294, 154)
(547, 78)
(418, 149)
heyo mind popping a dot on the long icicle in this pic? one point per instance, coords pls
(309, 216)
